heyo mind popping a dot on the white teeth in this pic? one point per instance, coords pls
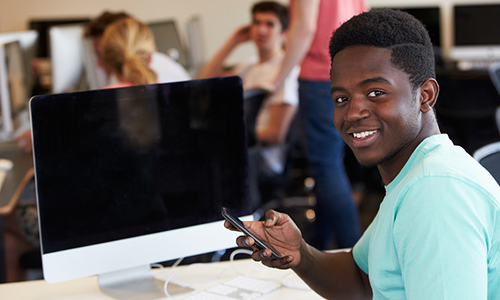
(362, 135)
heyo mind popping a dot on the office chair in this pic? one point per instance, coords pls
(494, 72)
(253, 99)
(489, 157)
(497, 118)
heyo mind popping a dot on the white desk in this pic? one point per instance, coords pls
(87, 288)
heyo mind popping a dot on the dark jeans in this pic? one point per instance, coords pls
(336, 211)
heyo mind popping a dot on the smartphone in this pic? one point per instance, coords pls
(236, 222)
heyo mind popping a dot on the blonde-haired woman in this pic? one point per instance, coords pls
(126, 49)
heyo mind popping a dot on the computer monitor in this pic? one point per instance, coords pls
(13, 89)
(196, 45)
(168, 41)
(67, 58)
(474, 32)
(28, 41)
(42, 26)
(97, 77)
(132, 176)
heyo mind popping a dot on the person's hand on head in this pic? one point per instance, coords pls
(279, 232)
(242, 34)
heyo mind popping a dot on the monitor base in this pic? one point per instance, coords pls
(137, 284)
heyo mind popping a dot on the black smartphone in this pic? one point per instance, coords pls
(239, 225)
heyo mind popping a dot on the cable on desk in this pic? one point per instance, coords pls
(231, 259)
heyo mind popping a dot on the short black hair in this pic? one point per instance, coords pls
(412, 50)
(280, 10)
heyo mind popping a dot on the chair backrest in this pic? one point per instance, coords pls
(494, 72)
(253, 99)
(489, 157)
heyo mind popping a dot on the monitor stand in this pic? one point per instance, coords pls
(137, 284)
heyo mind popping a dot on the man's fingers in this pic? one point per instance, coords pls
(245, 241)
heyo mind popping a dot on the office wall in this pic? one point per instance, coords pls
(220, 17)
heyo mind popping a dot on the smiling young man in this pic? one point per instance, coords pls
(437, 232)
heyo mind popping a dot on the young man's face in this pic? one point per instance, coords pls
(376, 111)
(266, 31)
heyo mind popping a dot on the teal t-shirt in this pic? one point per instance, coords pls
(437, 232)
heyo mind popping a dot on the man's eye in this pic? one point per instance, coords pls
(375, 93)
(341, 99)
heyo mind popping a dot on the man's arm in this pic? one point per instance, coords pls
(332, 275)
(215, 66)
(300, 36)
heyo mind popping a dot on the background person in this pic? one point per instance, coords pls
(166, 68)
(436, 235)
(126, 48)
(268, 33)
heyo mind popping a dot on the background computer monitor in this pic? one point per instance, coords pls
(96, 76)
(168, 41)
(196, 48)
(42, 26)
(132, 176)
(28, 41)
(67, 58)
(14, 93)
(475, 34)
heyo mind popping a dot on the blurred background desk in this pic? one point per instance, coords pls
(16, 180)
(88, 289)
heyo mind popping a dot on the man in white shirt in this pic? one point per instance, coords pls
(268, 33)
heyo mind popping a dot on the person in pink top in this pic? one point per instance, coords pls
(312, 23)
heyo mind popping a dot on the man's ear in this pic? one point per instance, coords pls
(429, 91)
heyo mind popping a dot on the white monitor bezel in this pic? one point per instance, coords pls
(137, 251)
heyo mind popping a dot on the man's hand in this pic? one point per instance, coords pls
(279, 232)
(241, 35)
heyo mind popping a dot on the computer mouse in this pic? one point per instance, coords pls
(6, 164)
(294, 282)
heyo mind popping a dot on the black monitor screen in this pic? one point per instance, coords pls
(477, 25)
(118, 163)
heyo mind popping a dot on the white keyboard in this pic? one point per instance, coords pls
(242, 288)
(483, 64)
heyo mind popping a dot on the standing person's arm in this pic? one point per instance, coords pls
(215, 67)
(332, 275)
(300, 36)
